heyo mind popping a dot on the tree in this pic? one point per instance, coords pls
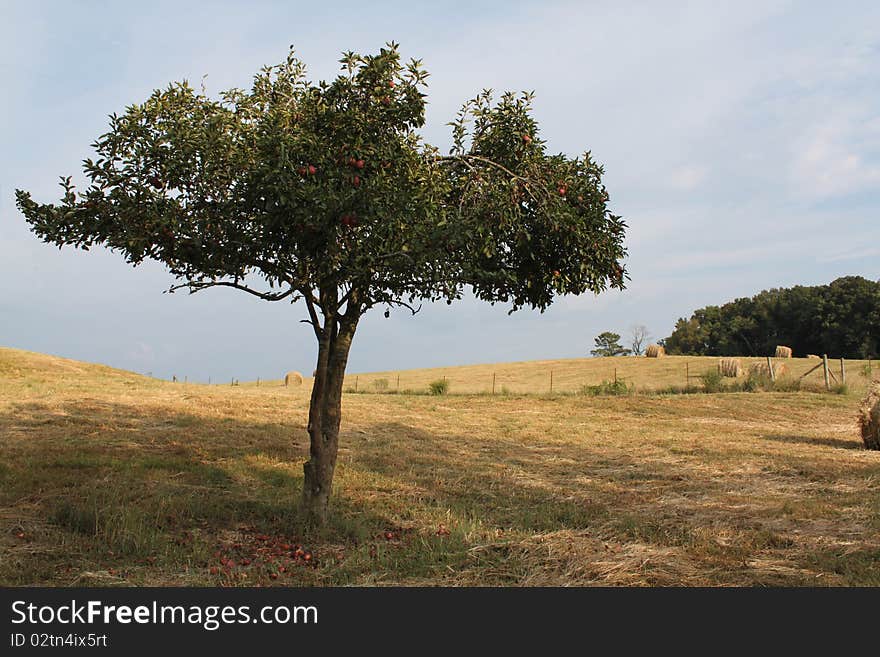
(640, 335)
(840, 318)
(608, 344)
(327, 193)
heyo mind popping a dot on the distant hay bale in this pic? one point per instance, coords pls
(293, 379)
(730, 367)
(783, 351)
(814, 356)
(655, 351)
(869, 418)
(762, 370)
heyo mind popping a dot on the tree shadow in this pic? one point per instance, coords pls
(219, 471)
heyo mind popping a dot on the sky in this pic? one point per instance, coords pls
(741, 142)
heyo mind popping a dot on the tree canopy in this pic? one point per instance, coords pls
(608, 344)
(318, 185)
(841, 319)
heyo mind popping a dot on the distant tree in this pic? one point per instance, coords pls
(639, 337)
(608, 344)
(326, 192)
(841, 319)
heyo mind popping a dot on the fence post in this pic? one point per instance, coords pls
(551, 382)
(825, 370)
(687, 375)
(209, 380)
(615, 376)
(398, 382)
(355, 384)
(770, 367)
(842, 373)
(493, 383)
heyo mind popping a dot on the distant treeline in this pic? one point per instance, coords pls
(841, 319)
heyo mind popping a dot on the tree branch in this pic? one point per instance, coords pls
(196, 286)
(313, 313)
(486, 160)
(403, 304)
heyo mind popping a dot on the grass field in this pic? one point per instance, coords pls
(109, 478)
(533, 377)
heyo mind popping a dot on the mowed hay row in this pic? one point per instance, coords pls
(782, 351)
(869, 418)
(730, 367)
(655, 351)
(762, 369)
(293, 379)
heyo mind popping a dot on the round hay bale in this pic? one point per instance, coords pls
(293, 379)
(782, 351)
(655, 351)
(869, 418)
(762, 370)
(814, 357)
(730, 367)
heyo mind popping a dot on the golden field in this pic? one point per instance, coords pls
(109, 478)
(569, 375)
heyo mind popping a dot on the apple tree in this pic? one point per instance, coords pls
(326, 193)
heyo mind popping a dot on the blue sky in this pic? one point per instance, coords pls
(741, 142)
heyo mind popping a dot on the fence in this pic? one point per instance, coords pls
(564, 378)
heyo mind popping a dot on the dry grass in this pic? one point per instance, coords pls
(570, 375)
(107, 478)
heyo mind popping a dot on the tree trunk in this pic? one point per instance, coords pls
(325, 412)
